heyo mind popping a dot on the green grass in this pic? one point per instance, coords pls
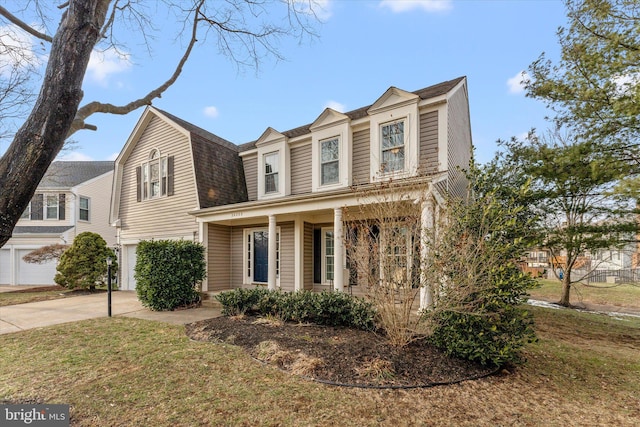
(584, 370)
(595, 293)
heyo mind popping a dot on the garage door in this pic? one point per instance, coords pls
(130, 284)
(5, 266)
(34, 274)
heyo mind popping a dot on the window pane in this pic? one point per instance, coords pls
(271, 168)
(271, 183)
(330, 150)
(329, 258)
(392, 135)
(52, 206)
(27, 212)
(84, 209)
(330, 173)
(393, 160)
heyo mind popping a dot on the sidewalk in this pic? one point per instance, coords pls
(20, 317)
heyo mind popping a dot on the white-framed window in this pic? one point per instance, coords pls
(83, 208)
(51, 206)
(392, 146)
(271, 170)
(256, 256)
(328, 255)
(155, 176)
(27, 212)
(396, 253)
(330, 161)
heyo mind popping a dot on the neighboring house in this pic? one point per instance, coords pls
(174, 180)
(72, 197)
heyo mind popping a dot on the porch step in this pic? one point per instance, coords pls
(208, 300)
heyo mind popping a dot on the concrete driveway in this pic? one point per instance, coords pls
(20, 317)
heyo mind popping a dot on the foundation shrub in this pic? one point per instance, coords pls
(169, 273)
(240, 301)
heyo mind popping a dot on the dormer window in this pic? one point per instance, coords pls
(271, 169)
(392, 138)
(330, 161)
(155, 176)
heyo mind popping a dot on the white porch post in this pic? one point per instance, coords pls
(338, 251)
(203, 235)
(273, 240)
(426, 230)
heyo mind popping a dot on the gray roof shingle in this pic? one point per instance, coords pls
(32, 229)
(66, 174)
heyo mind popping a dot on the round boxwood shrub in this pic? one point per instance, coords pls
(168, 273)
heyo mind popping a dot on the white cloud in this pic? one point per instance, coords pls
(625, 84)
(318, 8)
(103, 64)
(75, 156)
(17, 48)
(335, 105)
(211, 112)
(515, 83)
(399, 6)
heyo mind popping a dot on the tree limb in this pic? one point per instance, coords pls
(14, 20)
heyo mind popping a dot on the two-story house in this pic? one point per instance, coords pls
(174, 180)
(73, 197)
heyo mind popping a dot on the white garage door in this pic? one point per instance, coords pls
(130, 284)
(34, 274)
(5, 266)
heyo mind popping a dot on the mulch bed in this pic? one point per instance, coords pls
(337, 355)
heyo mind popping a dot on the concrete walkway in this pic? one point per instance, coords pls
(20, 317)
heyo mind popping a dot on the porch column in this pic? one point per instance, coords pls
(203, 236)
(338, 251)
(426, 232)
(273, 240)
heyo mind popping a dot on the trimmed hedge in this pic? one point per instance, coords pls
(324, 308)
(168, 273)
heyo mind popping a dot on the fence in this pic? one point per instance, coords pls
(625, 275)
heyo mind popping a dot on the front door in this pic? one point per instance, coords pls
(260, 256)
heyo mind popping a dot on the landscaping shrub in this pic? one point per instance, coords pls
(325, 308)
(169, 273)
(84, 264)
(494, 328)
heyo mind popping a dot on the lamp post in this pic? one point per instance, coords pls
(109, 261)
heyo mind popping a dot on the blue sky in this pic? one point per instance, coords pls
(364, 47)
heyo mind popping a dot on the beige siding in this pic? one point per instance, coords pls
(251, 176)
(98, 191)
(429, 142)
(308, 256)
(301, 170)
(237, 253)
(459, 144)
(361, 157)
(287, 256)
(219, 257)
(164, 217)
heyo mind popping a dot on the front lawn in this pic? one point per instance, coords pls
(627, 295)
(584, 370)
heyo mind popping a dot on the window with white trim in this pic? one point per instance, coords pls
(392, 146)
(271, 170)
(83, 209)
(328, 258)
(155, 176)
(329, 161)
(51, 206)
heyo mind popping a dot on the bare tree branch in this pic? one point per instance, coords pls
(14, 20)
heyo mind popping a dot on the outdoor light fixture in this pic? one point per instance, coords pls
(109, 262)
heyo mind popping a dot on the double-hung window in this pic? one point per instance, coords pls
(83, 214)
(271, 169)
(155, 177)
(330, 161)
(51, 207)
(392, 136)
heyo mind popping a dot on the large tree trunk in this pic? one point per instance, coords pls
(566, 289)
(38, 141)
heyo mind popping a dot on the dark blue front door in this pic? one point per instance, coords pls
(260, 256)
